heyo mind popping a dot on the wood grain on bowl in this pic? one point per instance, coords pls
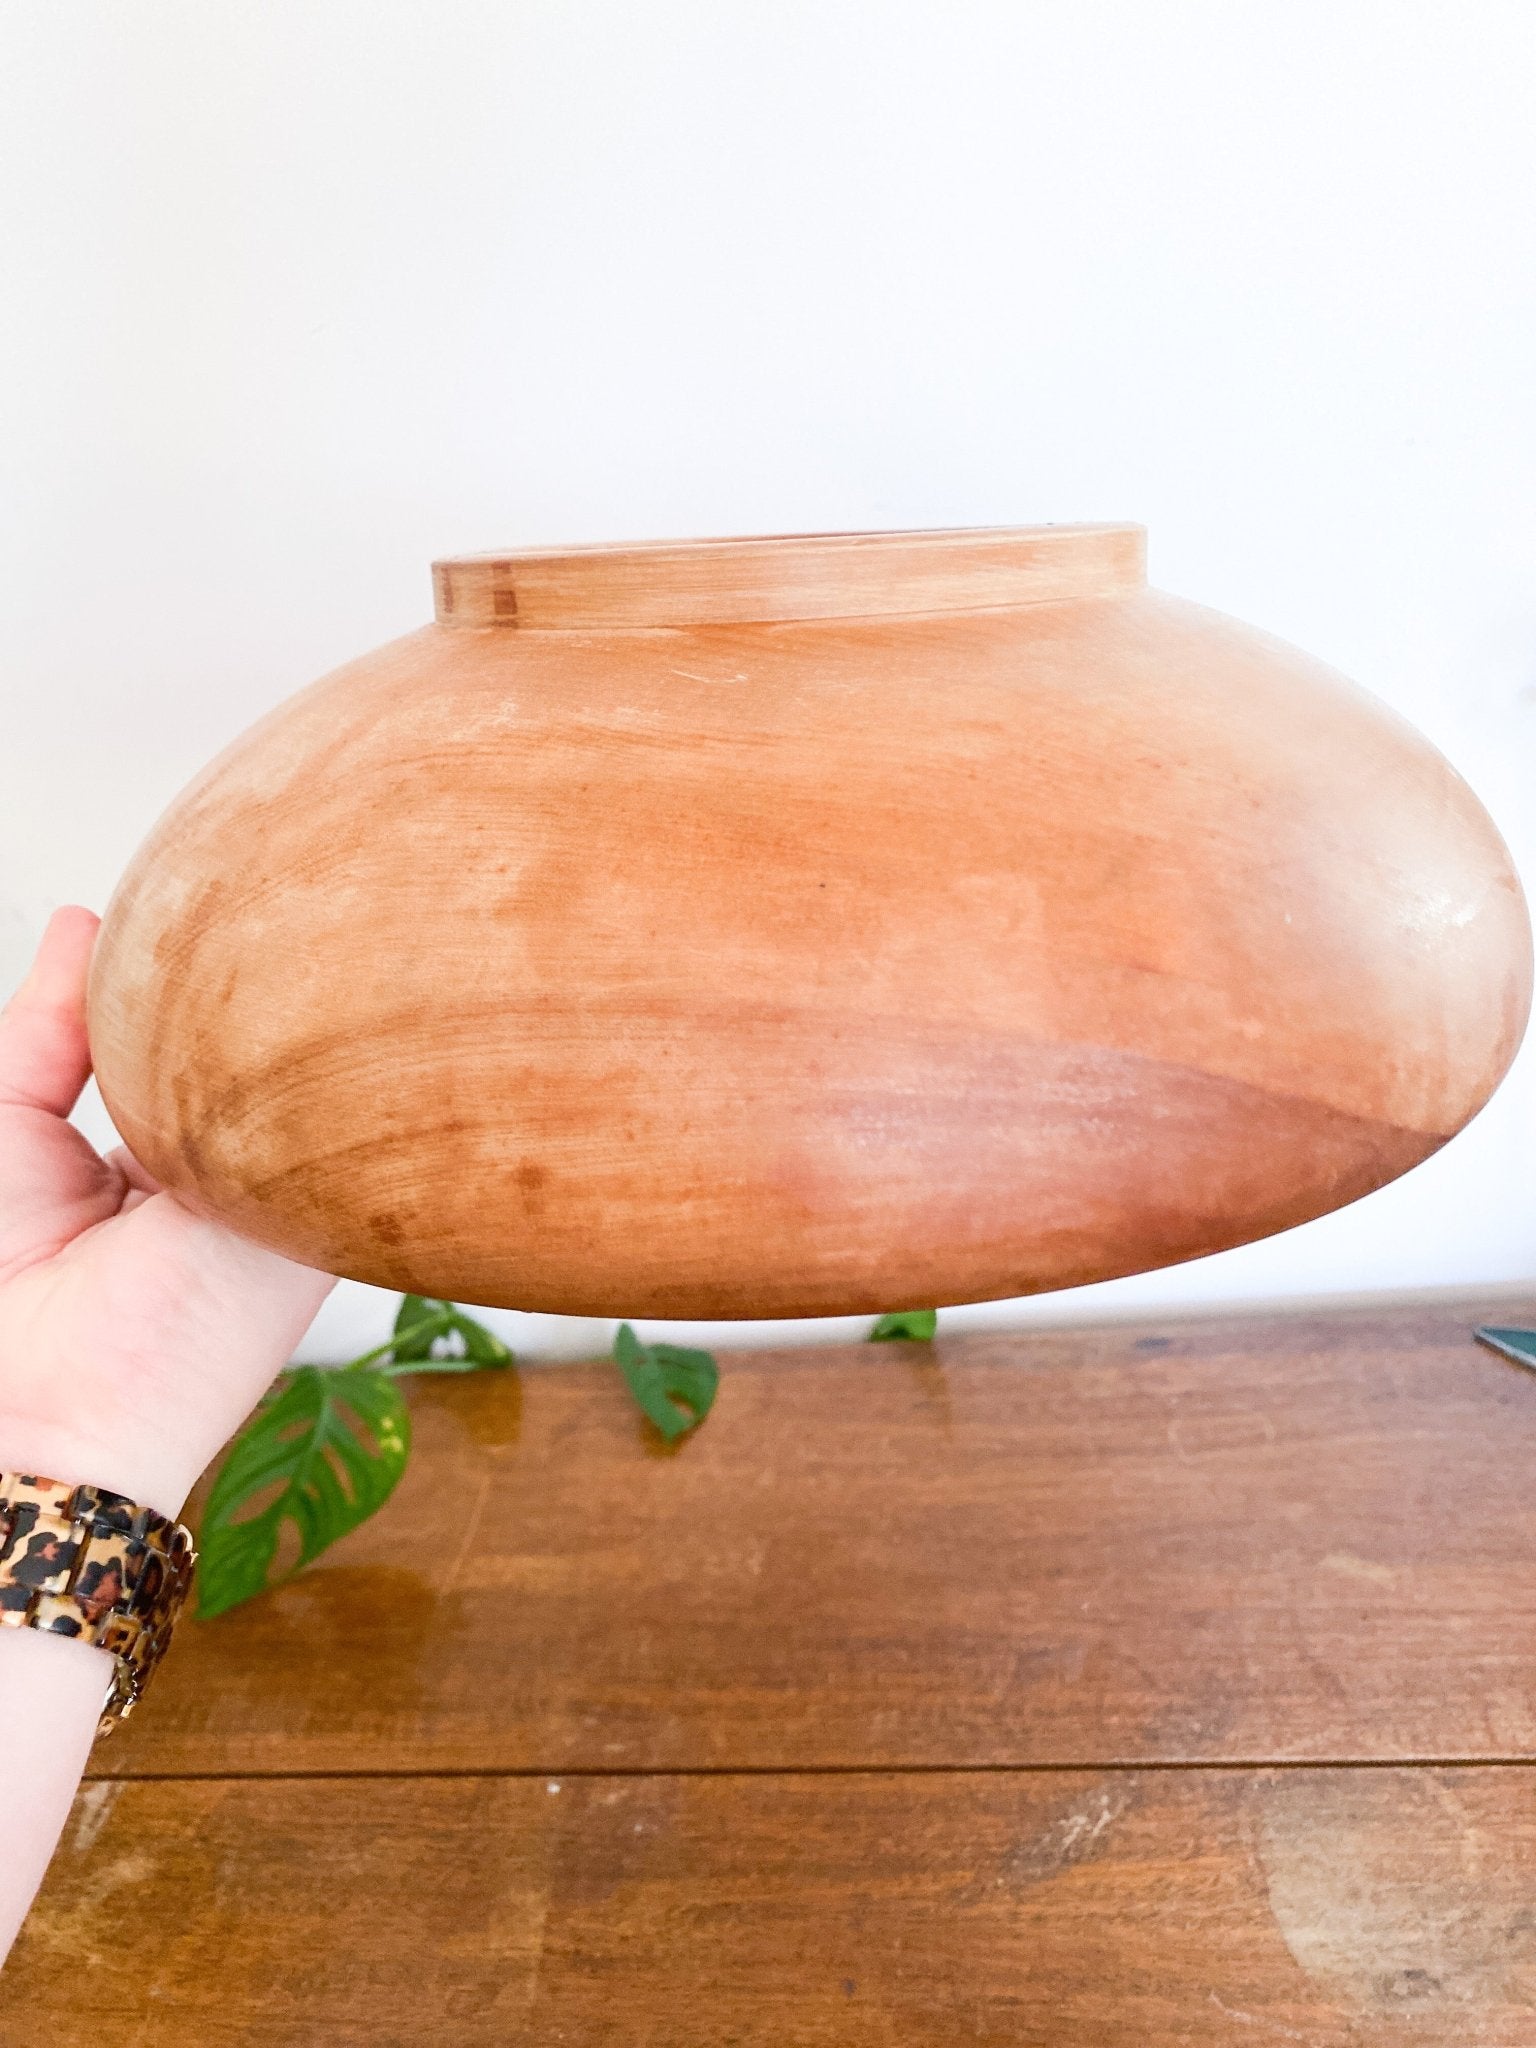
(802, 926)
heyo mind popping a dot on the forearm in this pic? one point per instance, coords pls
(51, 1693)
(52, 1689)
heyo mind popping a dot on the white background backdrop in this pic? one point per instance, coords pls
(295, 296)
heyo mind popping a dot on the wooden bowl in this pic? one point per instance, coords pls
(806, 925)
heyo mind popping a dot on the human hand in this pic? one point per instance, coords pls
(134, 1335)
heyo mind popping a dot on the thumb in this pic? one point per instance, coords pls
(45, 1059)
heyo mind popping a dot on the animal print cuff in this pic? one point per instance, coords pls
(79, 1561)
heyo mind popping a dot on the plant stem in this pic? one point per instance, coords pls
(439, 1324)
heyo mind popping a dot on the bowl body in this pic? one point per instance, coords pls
(804, 926)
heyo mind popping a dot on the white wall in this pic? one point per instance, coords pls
(296, 295)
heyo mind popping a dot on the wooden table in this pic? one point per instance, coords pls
(1171, 1683)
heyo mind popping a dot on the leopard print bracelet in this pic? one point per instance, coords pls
(79, 1561)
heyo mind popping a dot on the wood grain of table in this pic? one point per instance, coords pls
(1166, 1682)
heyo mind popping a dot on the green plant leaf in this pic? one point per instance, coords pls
(1520, 1345)
(418, 1322)
(673, 1386)
(328, 1474)
(424, 1326)
(481, 1346)
(916, 1323)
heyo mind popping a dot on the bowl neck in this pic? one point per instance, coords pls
(787, 577)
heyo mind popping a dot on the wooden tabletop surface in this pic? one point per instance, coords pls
(1141, 1684)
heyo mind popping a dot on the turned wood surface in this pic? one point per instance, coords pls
(757, 965)
(1108, 1688)
(787, 577)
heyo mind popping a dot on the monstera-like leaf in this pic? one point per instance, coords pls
(324, 1453)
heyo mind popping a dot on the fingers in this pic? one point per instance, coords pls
(44, 1057)
(140, 1182)
(138, 1177)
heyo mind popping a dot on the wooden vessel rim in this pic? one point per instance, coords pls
(767, 578)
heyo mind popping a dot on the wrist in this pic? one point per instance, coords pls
(153, 1470)
(82, 1561)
